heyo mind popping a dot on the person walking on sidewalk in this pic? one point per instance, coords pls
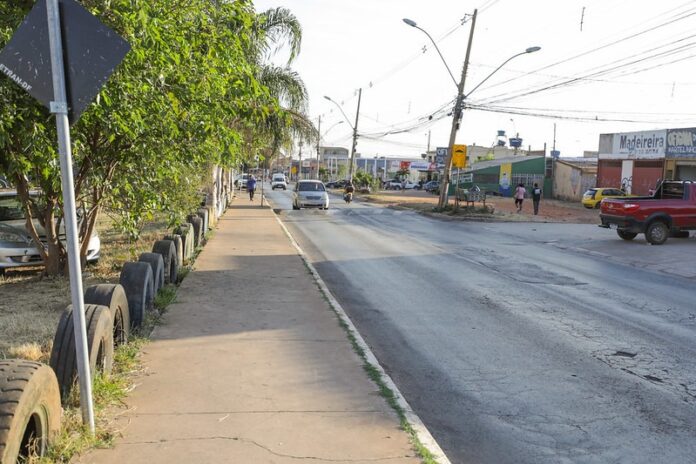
(251, 187)
(520, 191)
(536, 197)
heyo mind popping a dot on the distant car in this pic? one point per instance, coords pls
(408, 185)
(594, 196)
(336, 184)
(432, 186)
(17, 248)
(310, 194)
(241, 181)
(278, 181)
(392, 184)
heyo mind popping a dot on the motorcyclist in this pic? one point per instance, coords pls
(348, 191)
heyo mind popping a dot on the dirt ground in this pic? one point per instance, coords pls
(504, 208)
(30, 305)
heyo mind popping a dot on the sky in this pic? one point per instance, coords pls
(604, 66)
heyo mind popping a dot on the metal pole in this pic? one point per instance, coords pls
(60, 108)
(318, 143)
(456, 115)
(355, 138)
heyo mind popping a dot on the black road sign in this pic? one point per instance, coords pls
(91, 53)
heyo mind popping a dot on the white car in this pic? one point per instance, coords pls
(241, 181)
(279, 181)
(310, 194)
(17, 249)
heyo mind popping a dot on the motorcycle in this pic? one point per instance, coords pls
(348, 197)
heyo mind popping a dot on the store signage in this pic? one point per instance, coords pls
(681, 143)
(638, 145)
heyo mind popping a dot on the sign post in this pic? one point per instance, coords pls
(33, 59)
(59, 107)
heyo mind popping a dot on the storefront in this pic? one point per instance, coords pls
(633, 161)
(680, 155)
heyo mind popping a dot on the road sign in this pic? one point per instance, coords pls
(459, 156)
(57, 35)
(293, 169)
(92, 51)
(440, 155)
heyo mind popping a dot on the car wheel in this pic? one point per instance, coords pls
(626, 235)
(295, 207)
(657, 233)
(597, 205)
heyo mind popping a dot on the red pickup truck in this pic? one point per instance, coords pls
(670, 211)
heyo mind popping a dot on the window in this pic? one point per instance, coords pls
(310, 187)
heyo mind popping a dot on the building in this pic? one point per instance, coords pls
(573, 176)
(637, 161)
(500, 176)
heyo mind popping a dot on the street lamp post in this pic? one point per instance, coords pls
(459, 103)
(355, 131)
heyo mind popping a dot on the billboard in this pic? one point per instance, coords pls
(638, 145)
(420, 166)
(681, 143)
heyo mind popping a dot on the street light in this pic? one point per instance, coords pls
(459, 103)
(319, 136)
(355, 131)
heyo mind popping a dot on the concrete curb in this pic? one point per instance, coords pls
(421, 430)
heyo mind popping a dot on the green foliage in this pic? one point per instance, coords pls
(364, 179)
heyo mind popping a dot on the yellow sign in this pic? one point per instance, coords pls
(294, 170)
(459, 156)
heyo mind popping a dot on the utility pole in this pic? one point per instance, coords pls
(355, 138)
(299, 168)
(456, 117)
(318, 143)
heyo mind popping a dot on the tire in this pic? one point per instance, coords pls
(155, 261)
(30, 409)
(197, 225)
(295, 207)
(205, 217)
(657, 233)
(626, 235)
(100, 346)
(186, 232)
(167, 249)
(137, 280)
(113, 297)
(598, 205)
(179, 245)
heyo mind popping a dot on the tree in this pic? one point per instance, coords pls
(177, 104)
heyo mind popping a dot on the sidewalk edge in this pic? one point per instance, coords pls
(422, 432)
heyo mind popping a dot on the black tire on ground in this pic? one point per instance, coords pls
(295, 207)
(156, 261)
(657, 233)
(179, 245)
(186, 232)
(100, 346)
(197, 224)
(167, 249)
(204, 214)
(626, 235)
(598, 205)
(113, 296)
(137, 281)
(30, 409)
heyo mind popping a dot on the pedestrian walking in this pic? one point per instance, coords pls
(520, 191)
(251, 187)
(536, 197)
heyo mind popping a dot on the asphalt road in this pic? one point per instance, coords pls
(512, 344)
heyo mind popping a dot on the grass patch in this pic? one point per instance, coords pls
(165, 297)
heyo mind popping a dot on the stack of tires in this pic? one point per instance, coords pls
(31, 393)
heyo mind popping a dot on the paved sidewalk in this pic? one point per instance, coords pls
(251, 366)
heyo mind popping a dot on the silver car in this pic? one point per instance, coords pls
(17, 249)
(310, 194)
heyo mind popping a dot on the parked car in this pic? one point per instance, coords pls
(336, 184)
(17, 248)
(278, 181)
(408, 185)
(310, 194)
(594, 196)
(670, 211)
(392, 184)
(432, 186)
(241, 181)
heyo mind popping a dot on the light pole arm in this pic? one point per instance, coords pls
(341, 110)
(494, 71)
(456, 84)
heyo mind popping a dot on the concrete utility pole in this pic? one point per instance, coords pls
(355, 138)
(456, 117)
(318, 143)
(299, 168)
